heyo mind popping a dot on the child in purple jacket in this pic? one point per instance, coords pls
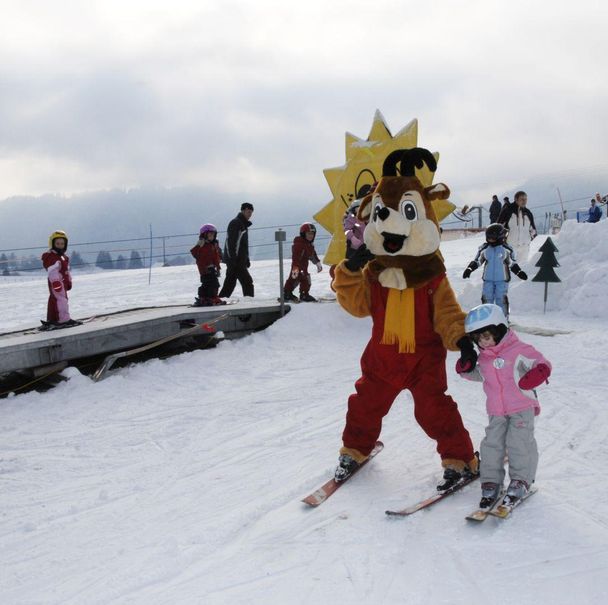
(510, 371)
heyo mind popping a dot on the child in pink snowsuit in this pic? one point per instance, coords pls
(510, 371)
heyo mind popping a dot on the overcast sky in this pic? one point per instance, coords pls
(255, 96)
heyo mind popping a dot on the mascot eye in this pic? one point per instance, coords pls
(377, 209)
(409, 211)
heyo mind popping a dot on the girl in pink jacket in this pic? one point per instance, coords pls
(510, 371)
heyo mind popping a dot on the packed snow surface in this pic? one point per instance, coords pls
(179, 481)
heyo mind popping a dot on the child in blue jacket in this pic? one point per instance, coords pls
(499, 260)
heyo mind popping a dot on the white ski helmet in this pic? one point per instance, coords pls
(484, 316)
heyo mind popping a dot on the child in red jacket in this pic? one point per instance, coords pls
(208, 256)
(57, 264)
(302, 252)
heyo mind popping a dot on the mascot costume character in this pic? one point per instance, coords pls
(398, 277)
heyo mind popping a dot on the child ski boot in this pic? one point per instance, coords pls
(490, 493)
(516, 491)
(290, 297)
(307, 298)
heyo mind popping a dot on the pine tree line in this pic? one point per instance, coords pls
(11, 264)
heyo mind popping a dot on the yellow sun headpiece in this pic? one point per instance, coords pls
(364, 159)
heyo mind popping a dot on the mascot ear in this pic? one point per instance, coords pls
(365, 209)
(437, 192)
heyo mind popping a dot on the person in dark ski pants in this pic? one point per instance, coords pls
(302, 251)
(208, 256)
(236, 253)
(495, 209)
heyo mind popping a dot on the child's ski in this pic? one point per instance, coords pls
(504, 510)
(481, 514)
(432, 499)
(230, 301)
(48, 326)
(325, 491)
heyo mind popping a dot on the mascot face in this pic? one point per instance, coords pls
(401, 220)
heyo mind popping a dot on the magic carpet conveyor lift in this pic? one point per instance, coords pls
(125, 333)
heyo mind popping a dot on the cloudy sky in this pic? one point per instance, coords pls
(246, 96)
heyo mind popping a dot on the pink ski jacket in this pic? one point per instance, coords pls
(500, 368)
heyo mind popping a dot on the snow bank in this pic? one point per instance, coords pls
(583, 258)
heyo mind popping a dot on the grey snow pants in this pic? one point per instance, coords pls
(512, 435)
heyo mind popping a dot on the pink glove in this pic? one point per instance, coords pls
(294, 273)
(462, 368)
(534, 377)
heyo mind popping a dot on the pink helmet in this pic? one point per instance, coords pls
(206, 228)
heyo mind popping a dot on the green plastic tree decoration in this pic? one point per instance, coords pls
(547, 262)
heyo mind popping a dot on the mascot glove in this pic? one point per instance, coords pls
(319, 267)
(359, 259)
(295, 272)
(534, 377)
(468, 355)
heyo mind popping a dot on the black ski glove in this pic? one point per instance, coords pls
(359, 259)
(521, 274)
(467, 272)
(468, 355)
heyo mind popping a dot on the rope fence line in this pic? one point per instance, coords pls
(159, 241)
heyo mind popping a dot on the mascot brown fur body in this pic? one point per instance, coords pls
(415, 314)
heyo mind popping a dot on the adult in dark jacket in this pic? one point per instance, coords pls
(595, 212)
(236, 253)
(495, 208)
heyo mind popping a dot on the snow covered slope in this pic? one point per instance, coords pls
(179, 481)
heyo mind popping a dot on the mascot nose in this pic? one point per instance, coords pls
(383, 213)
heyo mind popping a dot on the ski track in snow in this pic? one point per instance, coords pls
(179, 481)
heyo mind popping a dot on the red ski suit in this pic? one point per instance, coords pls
(208, 257)
(386, 372)
(59, 282)
(302, 252)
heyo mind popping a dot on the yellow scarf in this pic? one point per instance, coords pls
(399, 321)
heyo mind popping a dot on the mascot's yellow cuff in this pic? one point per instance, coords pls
(400, 320)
